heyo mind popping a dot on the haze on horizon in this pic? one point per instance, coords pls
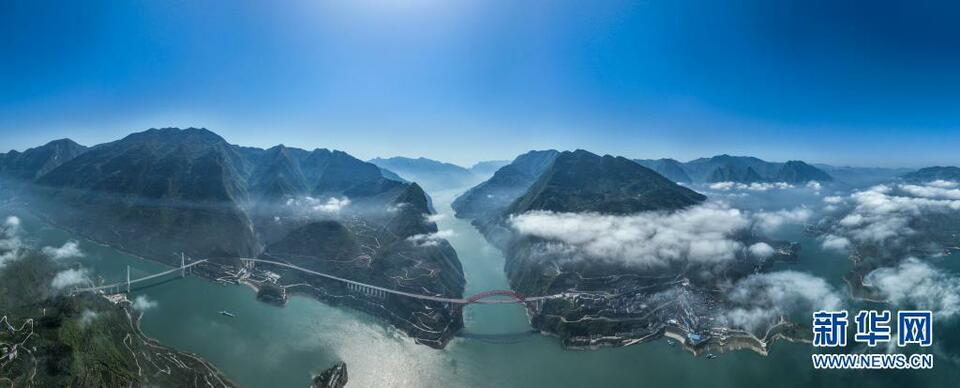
(822, 81)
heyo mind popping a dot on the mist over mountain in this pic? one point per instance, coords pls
(487, 168)
(648, 256)
(431, 174)
(741, 169)
(435, 175)
(506, 185)
(163, 191)
(862, 176)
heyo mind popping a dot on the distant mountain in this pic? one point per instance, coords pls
(506, 185)
(669, 168)
(929, 174)
(283, 171)
(392, 175)
(164, 191)
(796, 171)
(862, 176)
(34, 162)
(487, 168)
(729, 173)
(743, 169)
(580, 181)
(431, 174)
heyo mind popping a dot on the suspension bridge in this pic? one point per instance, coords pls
(455, 304)
(115, 288)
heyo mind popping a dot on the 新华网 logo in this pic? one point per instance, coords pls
(831, 328)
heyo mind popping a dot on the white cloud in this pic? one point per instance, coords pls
(884, 212)
(762, 250)
(431, 239)
(833, 200)
(397, 207)
(728, 186)
(12, 222)
(942, 184)
(760, 300)
(700, 233)
(815, 186)
(331, 205)
(69, 250)
(931, 191)
(10, 242)
(434, 217)
(771, 221)
(916, 284)
(142, 303)
(69, 278)
(835, 243)
(87, 317)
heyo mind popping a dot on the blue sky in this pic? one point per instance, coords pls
(862, 83)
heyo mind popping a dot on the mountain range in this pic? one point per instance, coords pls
(163, 191)
(930, 174)
(742, 169)
(434, 175)
(609, 301)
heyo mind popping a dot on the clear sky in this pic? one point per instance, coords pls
(847, 82)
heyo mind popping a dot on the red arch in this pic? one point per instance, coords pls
(486, 294)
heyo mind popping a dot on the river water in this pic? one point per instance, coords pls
(269, 346)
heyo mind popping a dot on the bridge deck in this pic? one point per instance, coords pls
(143, 279)
(462, 301)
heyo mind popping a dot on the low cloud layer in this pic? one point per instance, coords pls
(699, 234)
(943, 184)
(142, 303)
(434, 217)
(760, 300)
(69, 278)
(431, 239)
(331, 205)
(762, 250)
(835, 243)
(69, 250)
(10, 242)
(915, 284)
(936, 192)
(87, 317)
(883, 213)
(757, 186)
(771, 221)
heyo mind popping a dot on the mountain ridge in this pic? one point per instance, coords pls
(741, 169)
(164, 191)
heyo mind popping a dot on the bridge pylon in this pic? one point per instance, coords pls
(128, 279)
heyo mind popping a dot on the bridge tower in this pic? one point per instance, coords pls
(128, 279)
(183, 265)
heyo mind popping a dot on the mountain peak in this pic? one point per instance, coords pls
(65, 142)
(191, 134)
(581, 181)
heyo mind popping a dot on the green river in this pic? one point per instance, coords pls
(269, 346)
